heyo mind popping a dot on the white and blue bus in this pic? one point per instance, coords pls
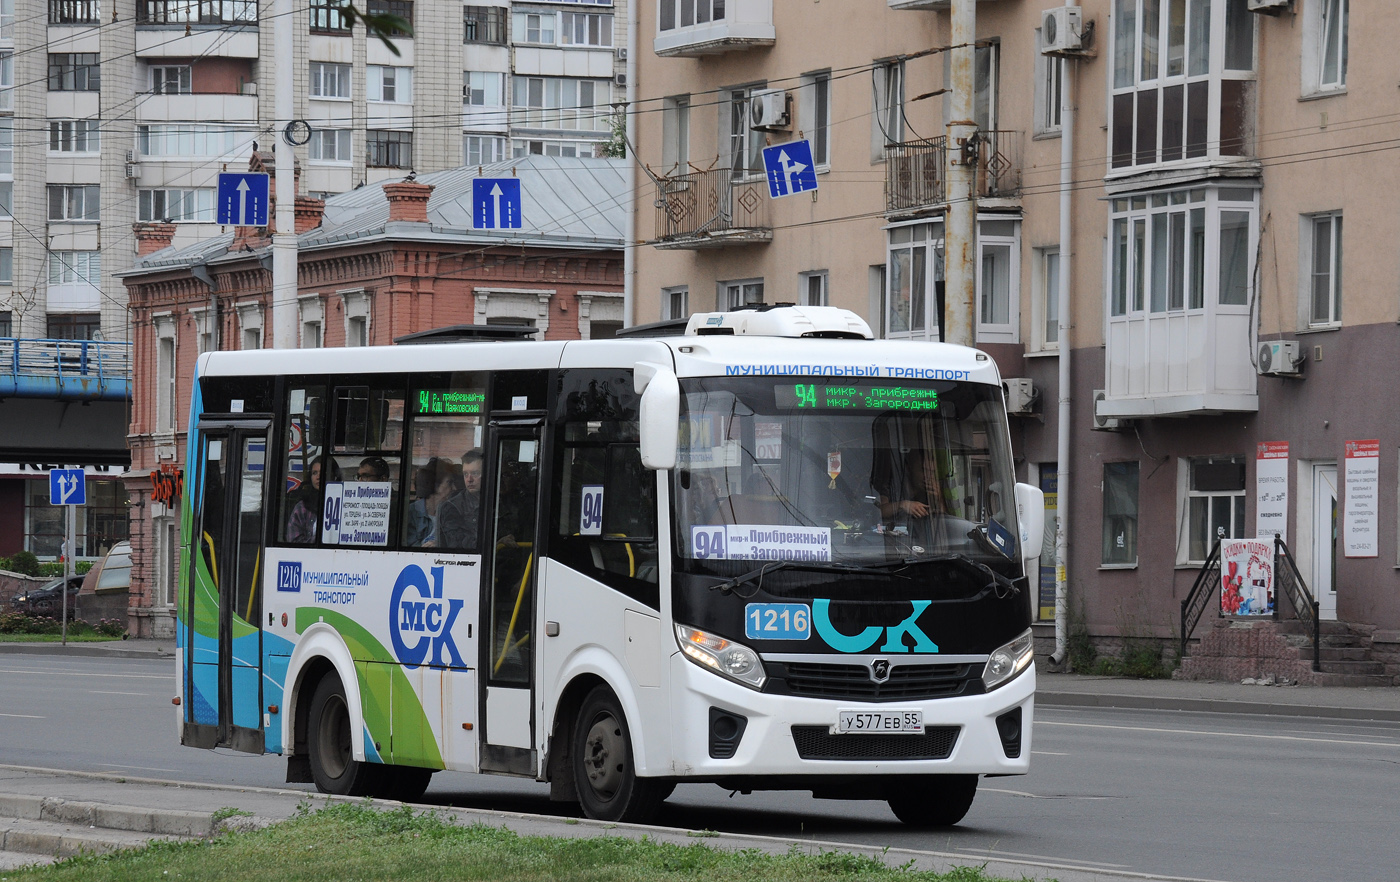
(768, 553)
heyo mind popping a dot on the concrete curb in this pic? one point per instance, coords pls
(1213, 705)
(96, 651)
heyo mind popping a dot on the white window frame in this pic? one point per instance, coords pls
(250, 325)
(815, 116)
(1185, 493)
(535, 28)
(675, 134)
(1045, 299)
(1318, 32)
(7, 77)
(194, 205)
(490, 84)
(559, 103)
(316, 149)
(735, 293)
(1049, 91)
(69, 133)
(540, 147)
(1308, 270)
(161, 74)
(675, 302)
(330, 81)
(356, 309)
(887, 116)
(381, 79)
(75, 268)
(988, 329)
(806, 281)
(497, 146)
(69, 195)
(311, 312)
(204, 330)
(743, 146)
(599, 37)
(167, 369)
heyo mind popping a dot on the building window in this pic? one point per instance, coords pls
(330, 80)
(911, 248)
(585, 29)
(191, 12)
(534, 27)
(684, 13)
(389, 85)
(812, 288)
(482, 149)
(7, 327)
(7, 198)
(1120, 513)
(388, 149)
(555, 148)
(915, 278)
(312, 312)
(1329, 20)
(402, 9)
(1215, 503)
(1169, 103)
(675, 302)
(998, 282)
(7, 79)
(484, 24)
(1048, 289)
(745, 143)
(74, 12)
(170, 79)
(179, 140)
(250, 325)
(328, 17)
(73, 326)
(165, 373)
(74, 202)
(73, 136)
(356, 304)
(1324, 242)
(330, 145)
(176, 205)
(484, 88)
(7, 269)
(7, 147)
(888, 116)
(75, 72)
(75, 267)
(816, 115)
(561, 103)
(675, 134)
(748, 292)
(1049, 90)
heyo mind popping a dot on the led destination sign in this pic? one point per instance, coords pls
(801, 396)
(446, 402)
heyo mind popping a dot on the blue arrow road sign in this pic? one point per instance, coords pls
(67, 487)
(243, 199)
(790, 168)
(496, 204)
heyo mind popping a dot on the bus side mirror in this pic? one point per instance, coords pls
(1030, 515)
(661, 413)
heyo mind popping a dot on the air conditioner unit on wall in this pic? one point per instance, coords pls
(1061, 30)
(1021, 395)
(1105, 423)
(620, 79)
(770, 110)
(1268, 7)
(1279, 358)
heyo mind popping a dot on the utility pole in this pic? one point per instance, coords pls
(284, 236)
(960, 219)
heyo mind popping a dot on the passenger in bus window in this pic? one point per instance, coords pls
(304, 523)
(449, 505)
(420, 524)
(372, 468)
(919, 504)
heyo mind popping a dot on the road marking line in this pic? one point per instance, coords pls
(993, 855)
(85, 674)
(1223, 734)
(25, 716)
(1038, 796)
(1047, 753)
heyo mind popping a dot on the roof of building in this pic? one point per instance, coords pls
(574, 202)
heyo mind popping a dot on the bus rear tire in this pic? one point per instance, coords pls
(934, 800)
(604, 773)
(329, 745)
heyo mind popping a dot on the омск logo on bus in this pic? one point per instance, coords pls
(894, 634)
(420, 620)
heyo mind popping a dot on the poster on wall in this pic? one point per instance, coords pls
(1361, 512)
(1247, 577)
(1271, 490)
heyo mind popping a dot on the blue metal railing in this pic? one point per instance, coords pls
(72, 370)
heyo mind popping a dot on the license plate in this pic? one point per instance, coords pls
(880, 722)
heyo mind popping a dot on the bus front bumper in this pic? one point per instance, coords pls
(768, 744)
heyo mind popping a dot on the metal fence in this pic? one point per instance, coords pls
(66, 369)
(916, 171)
(711, 205)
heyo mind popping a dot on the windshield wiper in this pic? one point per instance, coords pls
(998, 582)
(729, 585)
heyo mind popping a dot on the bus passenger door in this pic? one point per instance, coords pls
(223, 666)
(512, 557)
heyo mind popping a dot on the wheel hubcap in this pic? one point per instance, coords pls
(604, 756)
(333, 737)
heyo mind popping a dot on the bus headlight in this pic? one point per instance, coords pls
(1006, 662)
(721, 655)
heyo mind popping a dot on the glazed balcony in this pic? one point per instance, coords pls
(691, 28)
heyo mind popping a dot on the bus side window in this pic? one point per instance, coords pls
(303, 464)
(442, 506)
(606, 523)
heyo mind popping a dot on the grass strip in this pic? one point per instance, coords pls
(347, 843)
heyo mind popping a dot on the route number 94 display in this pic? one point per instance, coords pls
(881, 722)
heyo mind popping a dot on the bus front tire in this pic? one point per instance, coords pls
(604, 773)
(934, 801)
(333, 764)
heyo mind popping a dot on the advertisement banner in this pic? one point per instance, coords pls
(1361, 510)
(1271, 490)
(1247, 577)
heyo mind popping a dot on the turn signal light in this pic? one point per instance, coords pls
(175, 701)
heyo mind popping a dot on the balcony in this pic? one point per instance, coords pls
(69, 370)
(74, 12)
(193, 12)
(916, 172)
(925, 4)
(708, 210)
(692, 28)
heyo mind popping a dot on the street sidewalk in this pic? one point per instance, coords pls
(1054, 690)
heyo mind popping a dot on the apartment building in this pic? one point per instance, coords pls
(121, 112)
(1215, 319)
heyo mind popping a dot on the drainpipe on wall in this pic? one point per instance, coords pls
(629, 246)
(1063, 450)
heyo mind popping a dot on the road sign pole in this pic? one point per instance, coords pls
(68, 546)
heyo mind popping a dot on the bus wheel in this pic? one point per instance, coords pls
(333, 765)
(935, 800)
(608, 786)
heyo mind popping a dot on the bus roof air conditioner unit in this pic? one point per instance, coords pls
(1279, 358)
(1061, 30)
(769, 110)
(1105, 423)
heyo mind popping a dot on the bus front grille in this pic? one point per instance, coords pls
(817, 743)
(905, 683)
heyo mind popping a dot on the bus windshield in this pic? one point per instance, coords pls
(863, 472)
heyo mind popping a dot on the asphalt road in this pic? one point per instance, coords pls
(1208, 796)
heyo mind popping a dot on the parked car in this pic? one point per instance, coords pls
(47, 601)
(112, 574)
